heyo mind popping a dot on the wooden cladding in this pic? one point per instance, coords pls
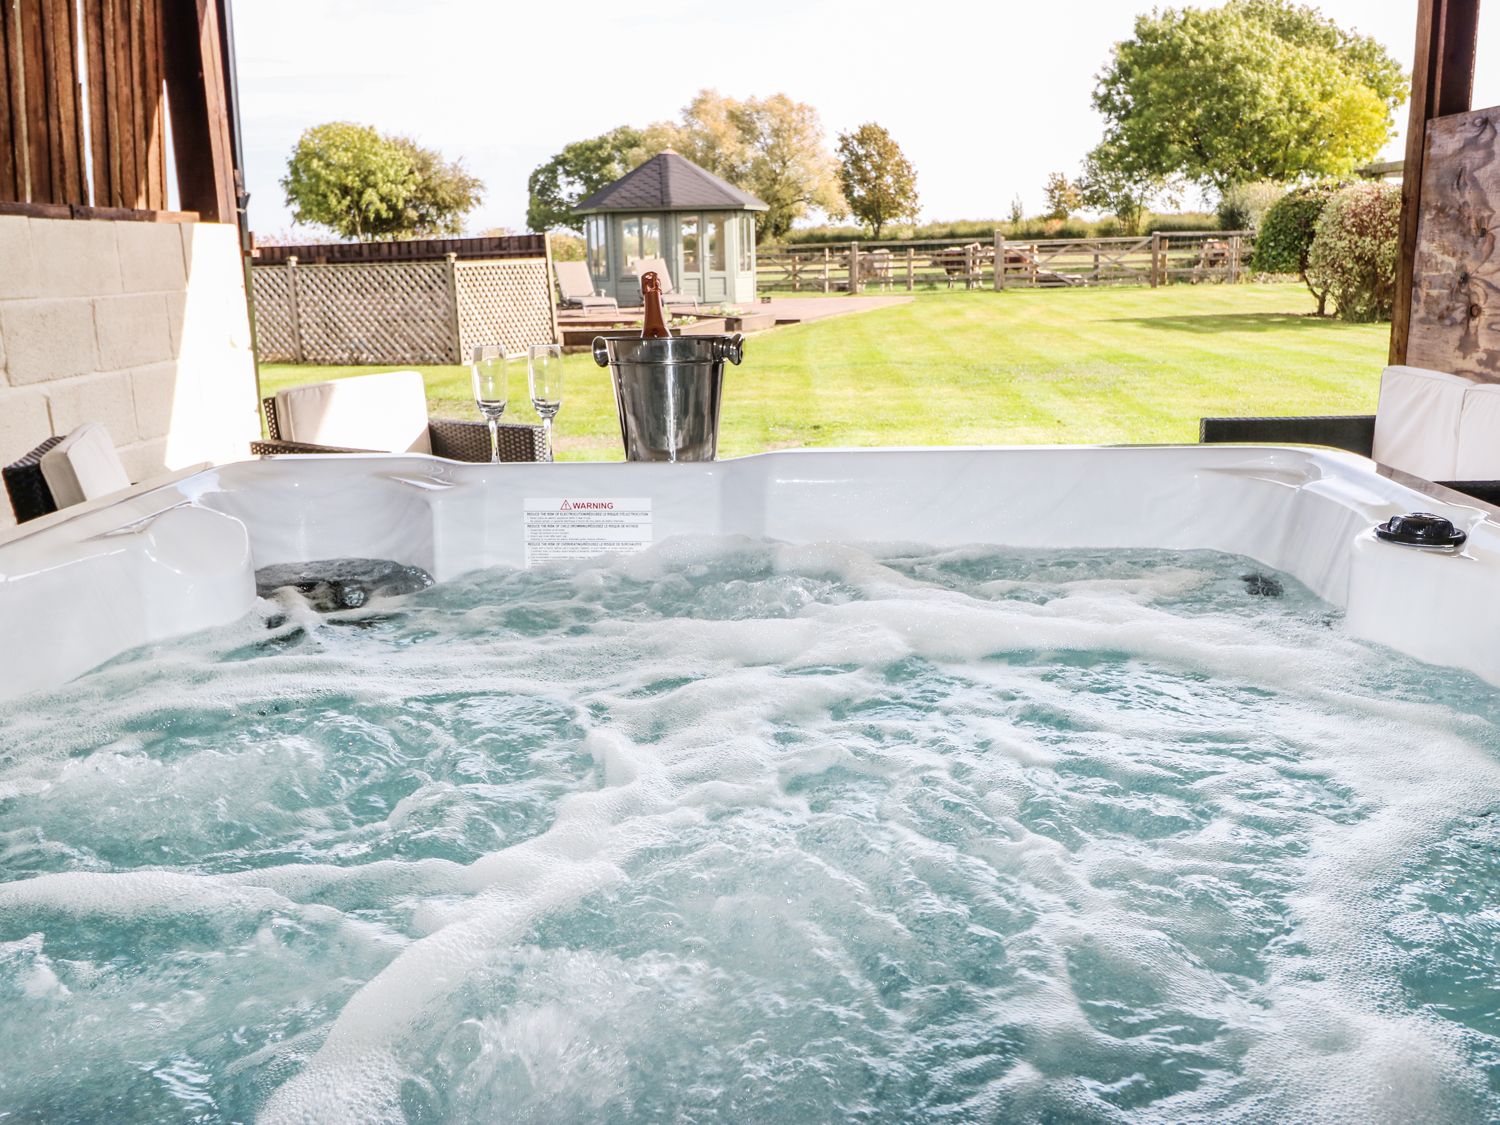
(82, 103)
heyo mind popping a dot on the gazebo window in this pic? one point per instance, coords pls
(747, 243)
(640, 237)
(687, 228)
(595, 233)
(715, 233)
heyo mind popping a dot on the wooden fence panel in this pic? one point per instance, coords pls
(1039, 263)
(51, 51)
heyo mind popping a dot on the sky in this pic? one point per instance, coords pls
(986, 97)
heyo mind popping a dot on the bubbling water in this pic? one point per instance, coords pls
(739, 830)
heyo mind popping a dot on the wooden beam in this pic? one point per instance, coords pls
(12, 179)
(197, 95)
(1442, 83)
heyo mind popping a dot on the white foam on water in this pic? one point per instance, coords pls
(1088, 700)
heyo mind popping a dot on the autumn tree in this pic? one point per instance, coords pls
(579, 170)
(771, 147)
(879, 183)
(1062, 195)
(363, 185)
(1253, 90)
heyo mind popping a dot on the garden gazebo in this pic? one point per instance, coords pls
(669, 208)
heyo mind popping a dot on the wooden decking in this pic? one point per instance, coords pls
(578, 328)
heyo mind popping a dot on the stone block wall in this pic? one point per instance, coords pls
(140, 326)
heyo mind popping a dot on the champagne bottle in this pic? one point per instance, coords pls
(655, 327)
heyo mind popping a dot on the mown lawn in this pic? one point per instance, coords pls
(1103, 365)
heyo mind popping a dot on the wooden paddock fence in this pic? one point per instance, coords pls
(402, 312)
(1160, 258)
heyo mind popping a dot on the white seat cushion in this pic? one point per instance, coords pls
(385, 412)
(1479, 435)
(1416, 423)
(83, 466)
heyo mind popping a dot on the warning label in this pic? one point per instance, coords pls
(580, 527)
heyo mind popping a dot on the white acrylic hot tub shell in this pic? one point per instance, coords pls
(182, 557)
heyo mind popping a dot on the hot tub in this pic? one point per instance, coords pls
(1097, 784)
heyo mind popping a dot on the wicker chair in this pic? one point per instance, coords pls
(27, 488)
(457, 441)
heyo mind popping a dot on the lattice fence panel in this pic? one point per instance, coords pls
(401, 312)
(505, 302)
(275, 328)
(395, 313)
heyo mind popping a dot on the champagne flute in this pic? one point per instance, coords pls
(490, 369)
(544, 374)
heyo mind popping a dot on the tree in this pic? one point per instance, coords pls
(578, 171)
(1254, 90)
(1017, 211)
(1286, 235)
(1110, 182)
(348, 178)
(771, 147)
(444, 194)
(1353, 254)
(1062, 196)
(360, 184)
(879, 183)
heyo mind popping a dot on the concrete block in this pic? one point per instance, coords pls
(151, 257)
(17, 266)
(107, 399)
(155, 390)
(75, 258)
(144, 459)
(48, 339)
(133, 331)
(24, 422)
(176, 309)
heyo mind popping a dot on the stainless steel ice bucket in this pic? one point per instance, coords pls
(667, 392)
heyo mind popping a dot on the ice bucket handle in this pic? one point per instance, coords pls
(731, 348)
(601, 351)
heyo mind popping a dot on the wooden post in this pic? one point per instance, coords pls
(294, 310)
(796, 273)
(853, 269)
(999, 261)
(1096, 263)
(1442, 83)
(911, 268)
(455, 331)
(1155, 259)
(826, 256)
(551, 291)
(1234, 257)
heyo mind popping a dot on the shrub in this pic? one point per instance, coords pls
(1244, 206)
(1353, 253)
(1286, 235)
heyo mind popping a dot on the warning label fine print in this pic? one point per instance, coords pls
(580, 527)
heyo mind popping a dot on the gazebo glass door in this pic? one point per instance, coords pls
(690, 266)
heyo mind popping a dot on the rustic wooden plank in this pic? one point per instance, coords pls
(34, 95)
(1442, 83)
(10, 185)
(63, 96)
(1455, 302)
(198, 99)
(155, 110)
(79, 211)
(122, 93)
(98, 110)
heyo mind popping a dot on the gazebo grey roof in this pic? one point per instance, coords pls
(669, 182)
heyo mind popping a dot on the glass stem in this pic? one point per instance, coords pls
(547, 436)
(494, 440)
